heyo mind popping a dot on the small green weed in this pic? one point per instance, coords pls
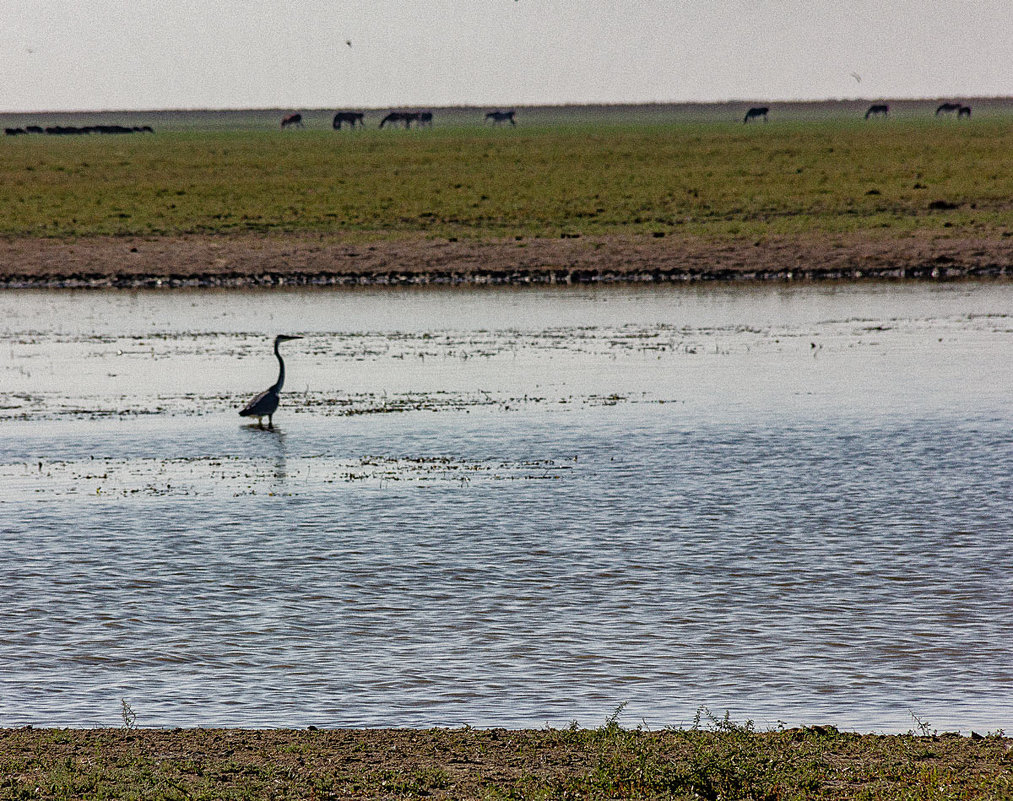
(128, 714)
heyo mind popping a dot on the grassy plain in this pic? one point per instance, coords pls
(724, 761)
(559, 173)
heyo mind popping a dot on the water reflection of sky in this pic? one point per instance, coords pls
(509, 506)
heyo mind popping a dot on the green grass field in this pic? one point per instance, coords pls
(571, 172)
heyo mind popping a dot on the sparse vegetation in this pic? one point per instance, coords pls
(715, 759)
(128, 714)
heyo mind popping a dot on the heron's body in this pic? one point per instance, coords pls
(266, 403)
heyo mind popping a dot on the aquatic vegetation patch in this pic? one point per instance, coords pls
(116, 478)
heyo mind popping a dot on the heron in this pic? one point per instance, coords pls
(266, 403)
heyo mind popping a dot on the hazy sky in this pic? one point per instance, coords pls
(152, 54)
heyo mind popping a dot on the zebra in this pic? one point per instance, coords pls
(878, 108)
(758, 111)
(948, 108)
(501, 116)
(408, 117)
(351, 117)
(399, 116)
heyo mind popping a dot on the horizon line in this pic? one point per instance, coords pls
(469, 105)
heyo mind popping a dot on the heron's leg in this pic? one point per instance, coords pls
(260, 421)
(270, 422)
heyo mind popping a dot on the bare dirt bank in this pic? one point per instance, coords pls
(254, 260)
(729, 762)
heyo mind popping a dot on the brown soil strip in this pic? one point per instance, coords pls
(254, 260)
(817, 762)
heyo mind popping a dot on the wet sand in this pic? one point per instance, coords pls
(301, 259)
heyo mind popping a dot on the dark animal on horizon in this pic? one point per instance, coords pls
(501, 116)
(395, 117)
(758, 111)
(877, 109)
(964, 111)
(351, 117)
(948, 108)
(266, 403)
(407, 117)
(424, 118)
(292, 119)
(14, 131)
(109, 129)
(73, 130)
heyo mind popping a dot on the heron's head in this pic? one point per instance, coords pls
(285, 337)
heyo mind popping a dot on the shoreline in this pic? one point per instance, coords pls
(248, 260)
(723, 760)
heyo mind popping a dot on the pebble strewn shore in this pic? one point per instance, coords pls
(301, 260)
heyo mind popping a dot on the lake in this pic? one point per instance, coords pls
(509, 507)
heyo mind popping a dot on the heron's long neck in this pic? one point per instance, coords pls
(281, 370)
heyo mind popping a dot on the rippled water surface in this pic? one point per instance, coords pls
(509, 507)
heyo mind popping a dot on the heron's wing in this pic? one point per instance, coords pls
(265, 403)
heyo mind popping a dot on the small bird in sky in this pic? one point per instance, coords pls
(348, 42)
(856, 76)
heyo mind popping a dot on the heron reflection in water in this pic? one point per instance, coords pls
(266, 403)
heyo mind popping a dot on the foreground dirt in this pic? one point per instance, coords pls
(731, 762)
(251, 260)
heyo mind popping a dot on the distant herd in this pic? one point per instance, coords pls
(422, 119)
(875, 110)
(73, 130)
(425, 118)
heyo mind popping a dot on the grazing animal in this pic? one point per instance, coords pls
(948, 108)
(758, 111)
(266, 403)
(424, 118)
(407, 117)
(14, 131)
(36, 129)
(501, 116)
(292, 119)
(351, 117)
(963, 111)
(877, 109)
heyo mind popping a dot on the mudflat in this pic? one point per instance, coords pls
(319, 259)
(722, 761)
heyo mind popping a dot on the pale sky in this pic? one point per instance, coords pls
(167, 54)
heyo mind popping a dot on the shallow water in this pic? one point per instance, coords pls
(509, 507)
